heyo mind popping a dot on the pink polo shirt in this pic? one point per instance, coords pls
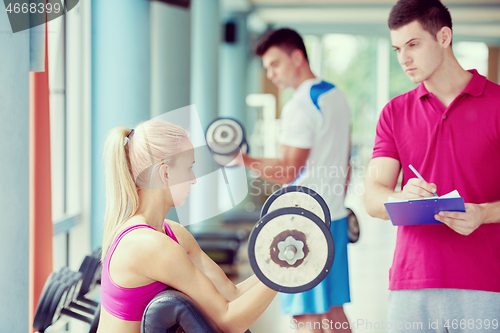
(456, 148)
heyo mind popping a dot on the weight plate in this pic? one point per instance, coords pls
(97, 269)
(58, 303)
(264, 250)
(97, 253)
(63, 271)
(75, 279)
(228, 161)
(87, 276)
(224, 136)
(76, 284)
(245, 148)
(71, 292)
(65, 276)
(298, 196)
(39, 314)
(84, 264)
(353, 230)
(78, 277)
(46, 315)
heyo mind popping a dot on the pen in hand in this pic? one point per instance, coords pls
(419, 176)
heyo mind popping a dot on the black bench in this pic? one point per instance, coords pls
(172, 311)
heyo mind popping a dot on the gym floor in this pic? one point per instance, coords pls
(369, 262)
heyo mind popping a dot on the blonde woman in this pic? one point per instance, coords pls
(149, 171)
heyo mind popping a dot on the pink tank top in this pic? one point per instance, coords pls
(128, 303)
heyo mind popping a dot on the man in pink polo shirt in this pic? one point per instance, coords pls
(444, 276)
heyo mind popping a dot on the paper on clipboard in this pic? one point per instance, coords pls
(422, 210)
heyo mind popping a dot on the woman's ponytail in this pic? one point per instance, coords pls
(128, 167)
(122, 200)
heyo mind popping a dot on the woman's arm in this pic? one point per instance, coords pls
(246, 285)
(205, 264)
(162, 259)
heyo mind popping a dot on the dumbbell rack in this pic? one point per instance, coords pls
(66, 295)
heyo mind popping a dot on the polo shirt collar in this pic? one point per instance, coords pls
(421, 90)
(475, 87)
(476, 84)
(306, 85)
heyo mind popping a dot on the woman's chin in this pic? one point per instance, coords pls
(178, 203)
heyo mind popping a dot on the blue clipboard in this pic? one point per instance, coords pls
(421, 211)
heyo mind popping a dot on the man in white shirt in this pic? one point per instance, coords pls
(314, 152)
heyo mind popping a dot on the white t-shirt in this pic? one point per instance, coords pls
(317, 117)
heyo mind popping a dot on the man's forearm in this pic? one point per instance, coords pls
(272, 169)
(375, 197)
(492, 212)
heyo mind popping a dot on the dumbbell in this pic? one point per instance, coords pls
(308, 199)
(226, 137)
(75, 281)
(97, 253)
(51, 301)
(72, 281)
(291, 249)
(41, 314)
(91, 270)
(353, 229)
(58, 291)
(298, 196)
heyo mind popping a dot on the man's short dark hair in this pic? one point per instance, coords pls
(286, 39)
(431, 14)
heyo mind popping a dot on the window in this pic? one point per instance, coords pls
(472, 55)
(70, 135)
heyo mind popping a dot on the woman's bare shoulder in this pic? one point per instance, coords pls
(186, 240)
(178, 229)
(142, 242)
(174, 225)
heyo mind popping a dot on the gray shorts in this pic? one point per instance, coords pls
(443, 310)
